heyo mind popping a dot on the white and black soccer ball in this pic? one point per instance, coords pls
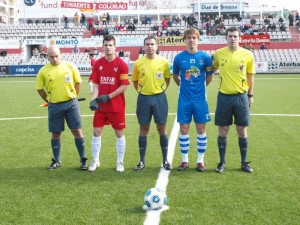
(155, 198)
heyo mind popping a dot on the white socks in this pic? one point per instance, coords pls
(96, 146)
(120, 147)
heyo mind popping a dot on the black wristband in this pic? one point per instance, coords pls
(250, 96)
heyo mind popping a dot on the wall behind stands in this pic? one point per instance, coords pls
(134, 51)
(262, 67)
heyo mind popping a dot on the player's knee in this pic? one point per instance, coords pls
(223, 131)
(77, 133)
(144, 131)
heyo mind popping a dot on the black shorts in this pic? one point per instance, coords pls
(148, 105)
(232, 106)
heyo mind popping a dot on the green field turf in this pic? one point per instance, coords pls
(30, 194)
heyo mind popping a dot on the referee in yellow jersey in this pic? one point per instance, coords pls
(151, 78)
(58, 83)
(236, 82)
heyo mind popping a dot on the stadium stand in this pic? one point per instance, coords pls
(78, 59)
(277, 55)
(268, 55)
(10, 59)
(39, 31)
(54, 30)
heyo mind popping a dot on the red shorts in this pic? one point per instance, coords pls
(116, 119)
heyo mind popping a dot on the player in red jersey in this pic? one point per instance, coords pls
(110, 79)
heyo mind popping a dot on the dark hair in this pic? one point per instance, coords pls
(109, 37)
(232, 29)
(149, 38)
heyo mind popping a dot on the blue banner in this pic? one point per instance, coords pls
(24, 70)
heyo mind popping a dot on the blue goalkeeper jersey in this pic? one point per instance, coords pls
(192, 70)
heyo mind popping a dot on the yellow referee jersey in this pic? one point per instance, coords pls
(58, 81)
(234, 67)
(151, 75)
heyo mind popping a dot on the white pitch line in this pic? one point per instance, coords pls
(265, 114)
(153, 216)
(171, 114)
(25, 118)
(45, 117)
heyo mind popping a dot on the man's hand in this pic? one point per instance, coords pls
(94, 105)
(103, 98)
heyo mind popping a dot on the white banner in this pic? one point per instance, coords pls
(35, 41)
(214, 7)
(12, 44)
(84, 69)
(213, 40)
(93, 42)
(261, 67)
(131, 41)
(58, 8)
(284, 67)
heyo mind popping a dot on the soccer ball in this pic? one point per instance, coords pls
(155, 198)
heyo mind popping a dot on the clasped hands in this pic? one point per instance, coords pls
(94, 103)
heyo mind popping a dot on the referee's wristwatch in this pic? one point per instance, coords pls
(250, 95)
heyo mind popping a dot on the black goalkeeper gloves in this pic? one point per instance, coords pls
(103, 98)
(94, 105)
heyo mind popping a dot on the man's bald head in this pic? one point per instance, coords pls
(53, 48)
(54, 55)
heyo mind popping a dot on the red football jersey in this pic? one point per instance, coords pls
(109, 76)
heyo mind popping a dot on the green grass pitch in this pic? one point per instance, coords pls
(30, 194)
